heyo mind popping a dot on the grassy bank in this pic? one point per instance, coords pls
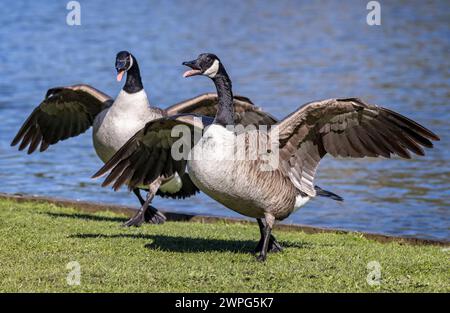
(38, 240)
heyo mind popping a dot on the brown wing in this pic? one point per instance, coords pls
(345, 128)
(246, 113)
(147, 155)
(65, 112)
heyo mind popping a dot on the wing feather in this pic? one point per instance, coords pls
(147, 155)
(65, 112)
(246, 113)
(346, 128)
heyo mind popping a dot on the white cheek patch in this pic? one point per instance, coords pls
(212, 70)
(131, 63)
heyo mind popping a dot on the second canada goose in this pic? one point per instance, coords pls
(69, 111)
(341, 127)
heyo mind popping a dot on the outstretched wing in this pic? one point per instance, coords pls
(246, 113)
(65, 112)
(345, 128)
(147, 155)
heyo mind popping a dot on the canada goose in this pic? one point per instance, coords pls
(69, 111)
(341, 127)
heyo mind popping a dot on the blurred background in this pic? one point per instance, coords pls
(281, 54)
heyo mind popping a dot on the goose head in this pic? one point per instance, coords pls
(206, 64)
(124, 61)
(209, 65)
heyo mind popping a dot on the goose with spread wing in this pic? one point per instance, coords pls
(340, 127)
(69, 111)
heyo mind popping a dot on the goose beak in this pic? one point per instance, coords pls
(120, 75)
(121, 67)
(196, 70)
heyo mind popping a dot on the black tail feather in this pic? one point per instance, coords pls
(328, 194)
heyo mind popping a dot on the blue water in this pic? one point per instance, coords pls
(281, 54)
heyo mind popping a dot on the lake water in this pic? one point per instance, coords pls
(281, 54)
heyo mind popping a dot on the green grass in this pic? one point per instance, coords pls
(38, 240)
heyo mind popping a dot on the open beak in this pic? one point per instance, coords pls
(195, 69)
(121, 66)
(120, 75)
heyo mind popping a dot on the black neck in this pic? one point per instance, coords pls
(225, 109)
(133, 83)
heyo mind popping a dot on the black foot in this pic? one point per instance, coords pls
(261, 257)
(136, 220)
(274, 246)
(153, 216)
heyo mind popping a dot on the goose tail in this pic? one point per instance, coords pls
(328, 194)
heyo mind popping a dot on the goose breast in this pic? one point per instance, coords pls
(116, 124)
(238, 184)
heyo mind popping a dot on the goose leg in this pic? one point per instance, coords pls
(274, 245)
(147, 213)
(137, 192)
(270, 220)
(151, 215)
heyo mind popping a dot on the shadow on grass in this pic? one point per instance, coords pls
(189, 244)
(87, 217)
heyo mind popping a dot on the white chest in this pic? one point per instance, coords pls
(211, 160)
(114, 126)
(216, 144)
(216, 169)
